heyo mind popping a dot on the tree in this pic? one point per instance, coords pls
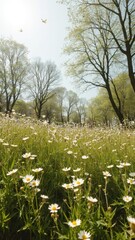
(81, 110)
(126, 94)
(91, 47)
(60, 98)
(23, 108)
(50, 109)
(1, 98)
(71, 100)
(44, 78)
(130, 105)
(123, 13)
(120, 24)
(13, 70)
(100, 110)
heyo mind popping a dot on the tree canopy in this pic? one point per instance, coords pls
(13, 70)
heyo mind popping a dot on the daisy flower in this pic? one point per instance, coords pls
(69, 152)
(28, 178)
(54, 208)
(85, 157)
(84, 235)
(36, 190)
(110, 166)
(12, 172)
(74, 223)
(67, 185)
(66, 169)
(127, 198)
(119, 166)
(32, 157)
(66, 138)
(92, 200)
(76, 190)
(37, 170)
(5, 144)
(44, 196)
(77, 182)
(126, 164)
(35, 183)
(132, 174)
(106, 174)
(26, 155)
(77, 170)
(14, 145)
(131, 221)
(131, 181)
(25, 138)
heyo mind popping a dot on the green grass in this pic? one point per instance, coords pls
(88, 153)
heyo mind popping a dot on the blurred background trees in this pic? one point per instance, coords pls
(33, 88)
(13, 71)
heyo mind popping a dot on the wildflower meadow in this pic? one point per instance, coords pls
(66, 182)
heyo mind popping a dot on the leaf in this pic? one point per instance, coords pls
(62, 236)
(27, 226)
(101, 223)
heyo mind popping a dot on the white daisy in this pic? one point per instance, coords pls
(26, 155)
(25, 138)
(54, 208)
(131, 221)
(77, 170)
(85, 157)
(77, 182)
(127, 198)
(35, 183)
(84, 235)
(12, 172)
(74, 223)
(92, 200)
(131, 181)
(37, 170)
(28, 178)
(44, 196)
(67, 185)
(66, 169)
(106, 174)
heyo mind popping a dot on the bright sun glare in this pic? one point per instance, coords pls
(16, 13)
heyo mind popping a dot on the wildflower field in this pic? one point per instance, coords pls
(62, 182)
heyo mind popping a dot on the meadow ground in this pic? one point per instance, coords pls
(62, 182)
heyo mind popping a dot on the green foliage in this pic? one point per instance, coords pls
(13, 70)
(24, 108)
(100, 109)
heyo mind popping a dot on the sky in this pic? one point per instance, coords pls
(21, 20)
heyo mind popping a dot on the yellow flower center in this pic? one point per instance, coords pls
(74, 223)
(54, 208)
(34, 183)
(84, 237)
(28, 179)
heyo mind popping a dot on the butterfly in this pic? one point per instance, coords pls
(44, 20)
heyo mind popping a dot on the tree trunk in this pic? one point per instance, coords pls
(130, 69)
(61, 116)
(116, 109)
(38, 112)
(68, 117)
